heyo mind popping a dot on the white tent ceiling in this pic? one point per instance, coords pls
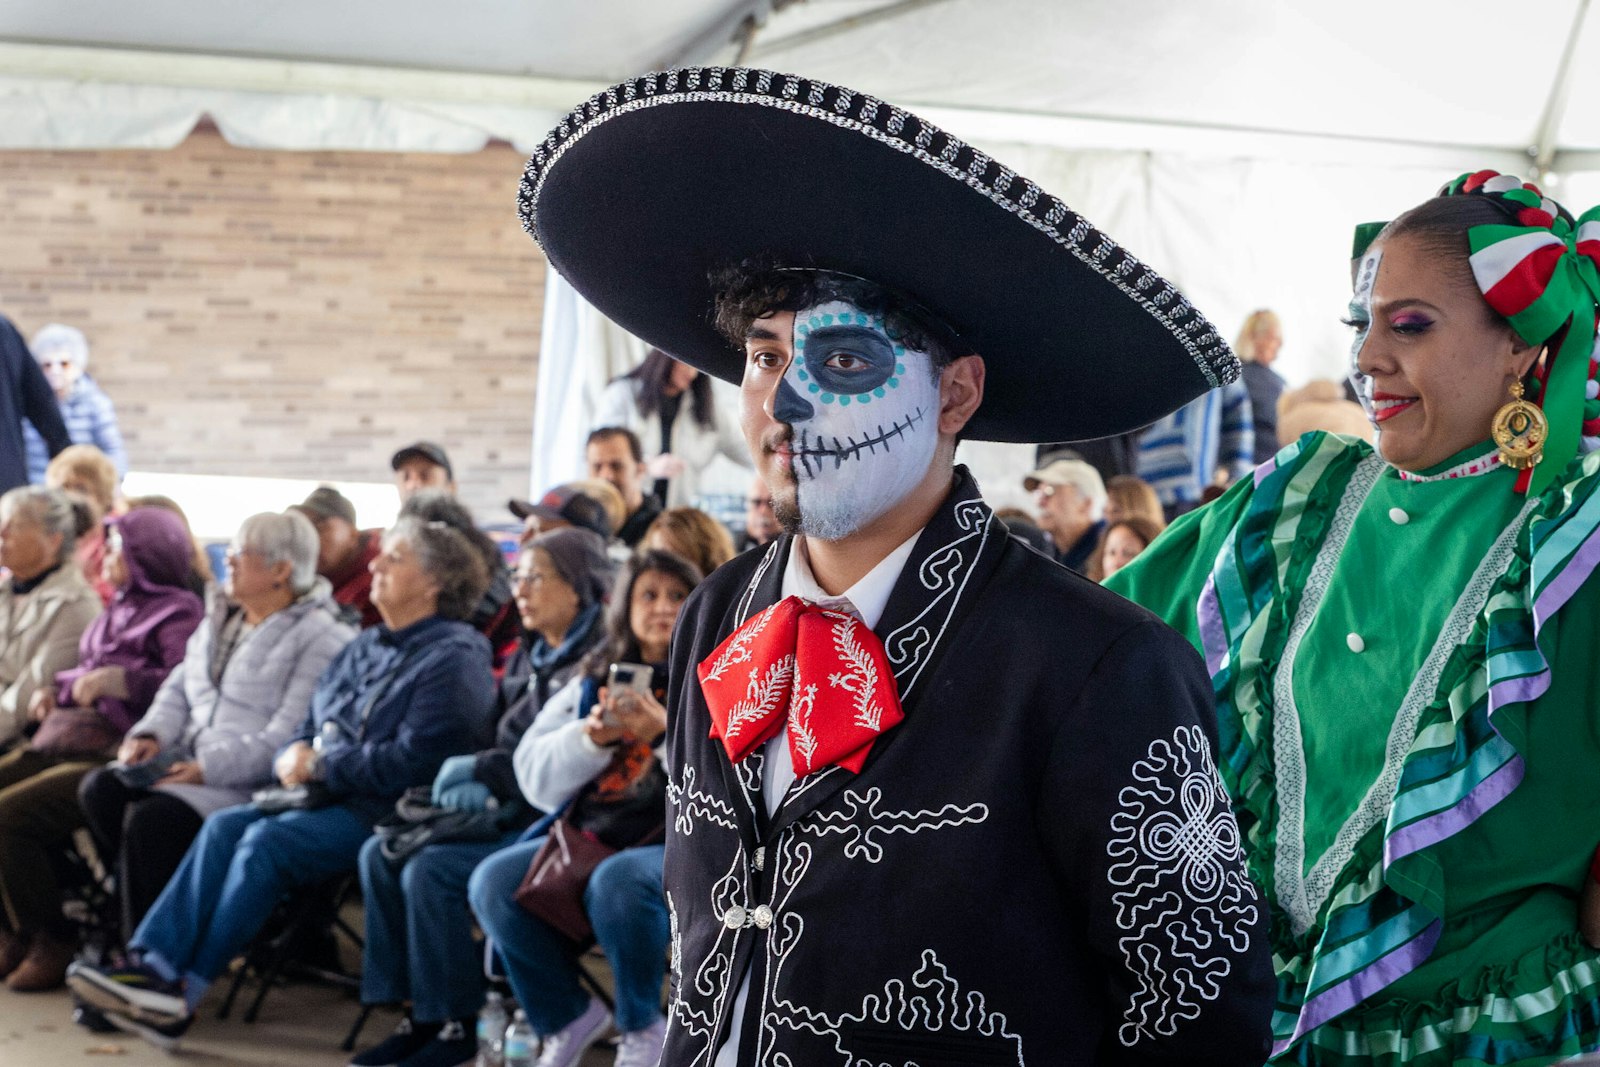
(1232, 143)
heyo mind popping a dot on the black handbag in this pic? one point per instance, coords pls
(275, 800)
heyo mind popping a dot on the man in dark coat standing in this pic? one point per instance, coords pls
(933, 799)
(25, 393)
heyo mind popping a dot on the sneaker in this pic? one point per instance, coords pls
(455, 1045)
(566, 1047)
(642, 1048)
(407, 1038)
(164, 1036)
(93, 1019)
(135, 992)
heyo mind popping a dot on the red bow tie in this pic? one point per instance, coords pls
(820, 671)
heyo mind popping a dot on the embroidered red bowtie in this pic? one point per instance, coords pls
(820, 671)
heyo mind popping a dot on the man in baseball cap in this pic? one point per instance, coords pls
(565, 505)
(423, 465)
(343, 550)
(1070, 497)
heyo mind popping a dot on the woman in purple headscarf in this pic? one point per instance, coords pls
(122, 659)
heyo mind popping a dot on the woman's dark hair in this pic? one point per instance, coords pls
(752, 289)
(620, 646)
(1143, 528)
(652, 377)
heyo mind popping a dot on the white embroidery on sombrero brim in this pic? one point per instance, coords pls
(960, 161)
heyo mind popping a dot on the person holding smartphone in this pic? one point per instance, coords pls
(596, 745)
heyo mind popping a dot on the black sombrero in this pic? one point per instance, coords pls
(649, 186)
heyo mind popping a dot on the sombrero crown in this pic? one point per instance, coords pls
(649, 187)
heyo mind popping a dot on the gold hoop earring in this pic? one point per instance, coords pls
(1520, 429)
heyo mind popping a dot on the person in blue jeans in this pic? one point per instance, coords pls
(419, 944)
(607, 760)
(390, 708)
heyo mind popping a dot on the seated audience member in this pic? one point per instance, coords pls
(91, 419)
(1128, 496)
(1025, 528)
(419, 944)
(391, 707)
(1321, 405)
(86, 473)
(1121, 543)
(200, 576)
(419, 466)
(1070, 496)
(495, 617)
(597, 748)
(760, 524)
(45, 604)
(615, 456)
(344, 552)
(123, 658)
(565, 505)
(692, 534)
(242, 689)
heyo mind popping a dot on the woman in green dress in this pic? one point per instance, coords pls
(1405, 646)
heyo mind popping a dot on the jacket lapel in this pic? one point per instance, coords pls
(949, 565)
(743, 780)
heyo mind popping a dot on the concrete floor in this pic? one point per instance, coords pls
(300, 1025)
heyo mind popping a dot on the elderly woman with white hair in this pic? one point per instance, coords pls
(63, 355)
(241, 692)
(45, 604)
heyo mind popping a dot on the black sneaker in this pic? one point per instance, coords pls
(455, 1045)
(93, 1019)
(136, 992)
(407, 1038)
(164, 1036)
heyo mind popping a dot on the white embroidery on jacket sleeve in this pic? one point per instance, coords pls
(1182, 897)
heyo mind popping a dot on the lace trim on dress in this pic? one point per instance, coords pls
(1303, 895)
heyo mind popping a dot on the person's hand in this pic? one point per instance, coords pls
(42, 703)
(137, 750)
(293, 765)
(100, 682)
(665, 465)
(184, 773)
(595, 727)
(457, 770)
(463, 796)
(641, 715)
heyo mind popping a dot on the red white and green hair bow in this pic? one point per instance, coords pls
(1541, 270)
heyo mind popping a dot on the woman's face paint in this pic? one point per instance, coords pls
(851, 425)
(1360, 321)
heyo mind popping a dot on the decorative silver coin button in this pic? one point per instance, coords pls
(762, 916)
(735, 917)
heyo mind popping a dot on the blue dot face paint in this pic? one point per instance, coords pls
(872, 425)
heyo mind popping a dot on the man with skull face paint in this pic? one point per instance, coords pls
(933, 799)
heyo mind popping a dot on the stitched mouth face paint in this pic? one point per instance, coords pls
(864, 413)
(1361, 322)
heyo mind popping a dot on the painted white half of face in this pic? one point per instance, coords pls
(1361, 323)
(865, 413)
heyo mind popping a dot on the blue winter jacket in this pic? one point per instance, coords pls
(393, 705)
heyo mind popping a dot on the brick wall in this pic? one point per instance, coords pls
(292, 314)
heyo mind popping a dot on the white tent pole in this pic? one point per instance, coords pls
(1544, 145)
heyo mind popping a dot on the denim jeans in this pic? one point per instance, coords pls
(233, 875)
(629, 915)
(419, 931)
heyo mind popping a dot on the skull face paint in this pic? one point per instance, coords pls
(1360, 321)
(863, 412)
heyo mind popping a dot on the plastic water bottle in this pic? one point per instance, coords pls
(521, 1043)
(492, 1031)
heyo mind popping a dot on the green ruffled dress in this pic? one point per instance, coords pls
(1408, 689)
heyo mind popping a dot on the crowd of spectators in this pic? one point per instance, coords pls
(400, 708)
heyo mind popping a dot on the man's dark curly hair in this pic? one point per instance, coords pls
(748, 290)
